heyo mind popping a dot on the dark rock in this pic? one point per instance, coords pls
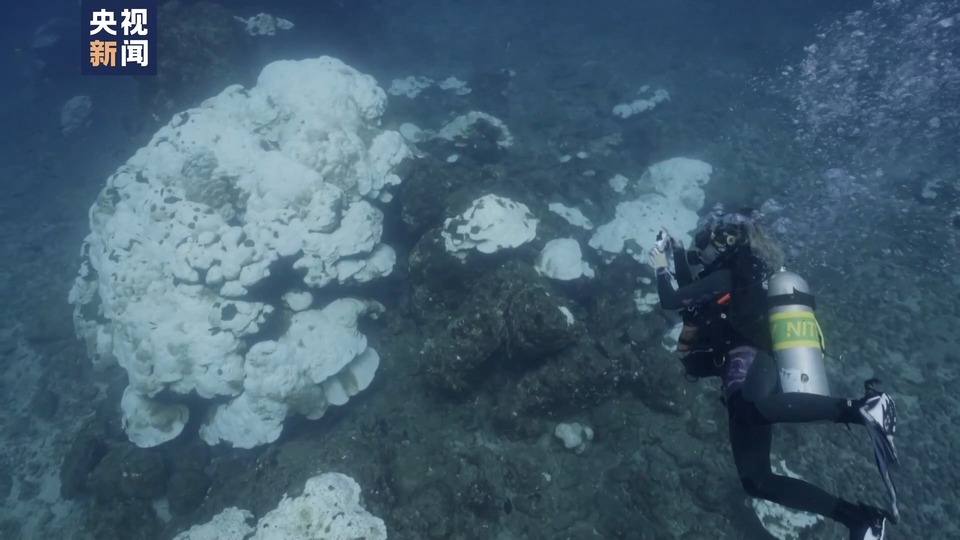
(578, 377)
(488, 92)
(509, 311)
(616, 523)
(186, 489)
(538, 328)
(451, 360)
(436, 277)
(20, 426)
(6, 484)
(128, 472)
(523, 472)
(427, 184)
(204, 50)
(432, 514)
(50, 321)
(710, 492)
(10, 528)
(130, 519)
(480, 144)
(45, 403)
(85, 453)
(188, 453)
(28, 490)
(661, 385)
(480, 498)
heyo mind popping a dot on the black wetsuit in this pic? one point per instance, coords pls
(751, 383)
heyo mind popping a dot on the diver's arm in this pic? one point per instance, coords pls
(702, 290)
(681, 266)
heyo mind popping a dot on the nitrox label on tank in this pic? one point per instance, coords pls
(794, 329)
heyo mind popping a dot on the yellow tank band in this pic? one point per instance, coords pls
(798, 343)
(795, 314)
(795, 329)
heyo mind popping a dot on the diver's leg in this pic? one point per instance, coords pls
(761, 387)
(762, 404)
(756, 372)
(875, 410)
(751, 452)
(797, 407)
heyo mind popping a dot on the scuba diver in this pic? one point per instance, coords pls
(756, 330)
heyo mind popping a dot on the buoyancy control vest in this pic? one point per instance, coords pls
(734, 319)
(748, 314)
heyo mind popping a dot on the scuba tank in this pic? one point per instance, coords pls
(796, 337)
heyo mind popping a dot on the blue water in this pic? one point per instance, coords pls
(840, 119)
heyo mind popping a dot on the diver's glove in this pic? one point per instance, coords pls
(658, 259)
(658, 255)
(675, 243)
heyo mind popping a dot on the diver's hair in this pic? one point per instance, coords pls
(763, 247)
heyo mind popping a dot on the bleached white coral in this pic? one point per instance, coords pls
(490, 224)
(639, 105)
(561, 259)
(675, 195)
(329, 508)
(460, 127)
(264, 24)
(278, 176)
